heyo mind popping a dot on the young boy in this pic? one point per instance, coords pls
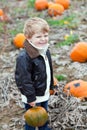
(34, 74)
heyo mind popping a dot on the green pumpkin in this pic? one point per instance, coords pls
(36, 116)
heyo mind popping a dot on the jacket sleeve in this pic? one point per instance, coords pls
(23, 79)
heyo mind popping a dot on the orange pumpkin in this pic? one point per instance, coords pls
(41, 4)
(36, 116)
(77, 88)
(18, 40)
(55, 9)
(4, 17)
(52, 92)
(64, 3)
(79, 52)
(50, 3)
(1, 12)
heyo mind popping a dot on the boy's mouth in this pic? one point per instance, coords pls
(42, 43)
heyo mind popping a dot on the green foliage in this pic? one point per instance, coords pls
(69, 21)
(31, 3)
(60, 77)
(53, 22)
(70, 39)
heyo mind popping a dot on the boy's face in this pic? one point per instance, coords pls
(39, 39)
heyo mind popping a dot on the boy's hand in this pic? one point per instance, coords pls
(32, 104)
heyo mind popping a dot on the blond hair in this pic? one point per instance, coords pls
(35, 25)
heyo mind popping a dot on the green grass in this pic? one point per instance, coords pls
(60, 77)
(30, 3)
(70, 40)
(19, 11)
(69, 21)
(17, 29)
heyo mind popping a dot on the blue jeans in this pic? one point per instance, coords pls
(44, 127)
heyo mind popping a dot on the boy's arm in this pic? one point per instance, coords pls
(23, 78)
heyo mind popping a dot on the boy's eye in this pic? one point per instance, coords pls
(38, 37)
(45, 35)
(42, 36)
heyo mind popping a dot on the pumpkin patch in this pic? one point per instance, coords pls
(55, 7)
(76, 88)
(64, 112)
(36, 116)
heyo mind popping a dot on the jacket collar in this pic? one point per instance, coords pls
(32, 52)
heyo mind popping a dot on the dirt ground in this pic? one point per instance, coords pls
(11, 108)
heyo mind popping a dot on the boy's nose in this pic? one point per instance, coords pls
(42, 38)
